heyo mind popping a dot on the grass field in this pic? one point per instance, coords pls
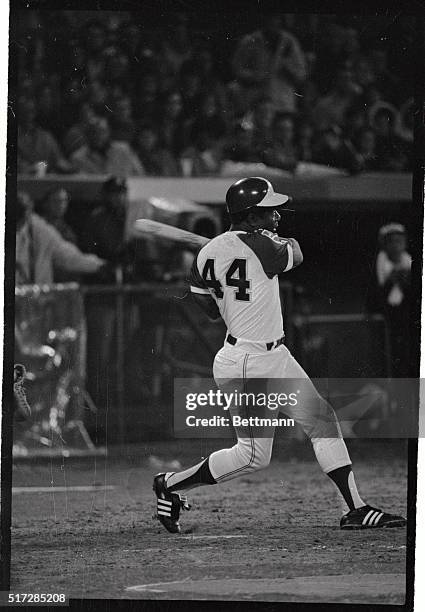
(272, 536)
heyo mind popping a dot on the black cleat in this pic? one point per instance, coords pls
(368, 517)
(168, 505)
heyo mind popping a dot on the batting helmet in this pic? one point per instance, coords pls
(253, 192)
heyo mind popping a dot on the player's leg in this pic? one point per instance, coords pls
(320, 423)
(251, 452)
(233, 373)
(247, 455)
(317, 417)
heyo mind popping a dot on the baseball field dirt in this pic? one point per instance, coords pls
(85, 528)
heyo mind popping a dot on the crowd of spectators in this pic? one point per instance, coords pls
(111, 95)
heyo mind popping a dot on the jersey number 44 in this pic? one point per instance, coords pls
(235, 277)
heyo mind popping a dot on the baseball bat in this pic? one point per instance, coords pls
(147, 228)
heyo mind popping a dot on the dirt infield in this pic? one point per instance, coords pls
(86, 529)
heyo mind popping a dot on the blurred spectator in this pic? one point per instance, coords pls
(385, 80)
(146, 58)
(269, 61)
(304, 141)
(137, 41)
(27, 87)
(103, 232)
(49, 116)
(176, 48)
(75, 137)
(73, 97)
(53, 208)
(363, 72)
(329, 52)
(393, 269)
(334, 151)
(96, 95)
(351, 47)
(190, 86)
(203, 158)
(262, 119)
(392, 152)
(212, 80)
(122, 121)
(101, 155)
(38, 151)
(259, 122)
(116, 67)
(32, 50)
(282, 151)
(355, 119)
(330, 109)
(307, 28)
(240, 146)
(337, 49)
(94, 37)
(156, 160)
(40, 249)
(371, 94)
(210, 116)
(130, 37)
(365, 144)
(401, 47)
(171, 126)
(115, 91)
(147, 97)
(308, 100)
(76, 58)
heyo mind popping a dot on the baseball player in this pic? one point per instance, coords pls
(235, 276)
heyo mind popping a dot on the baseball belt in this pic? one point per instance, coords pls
(269, 345)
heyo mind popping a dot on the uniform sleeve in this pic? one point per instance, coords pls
(275, 253)
(196, 282)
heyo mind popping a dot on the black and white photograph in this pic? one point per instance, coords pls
(213, 250)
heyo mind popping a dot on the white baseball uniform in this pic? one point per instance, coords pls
(240, 271)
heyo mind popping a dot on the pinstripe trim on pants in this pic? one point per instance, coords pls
(252, 458)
